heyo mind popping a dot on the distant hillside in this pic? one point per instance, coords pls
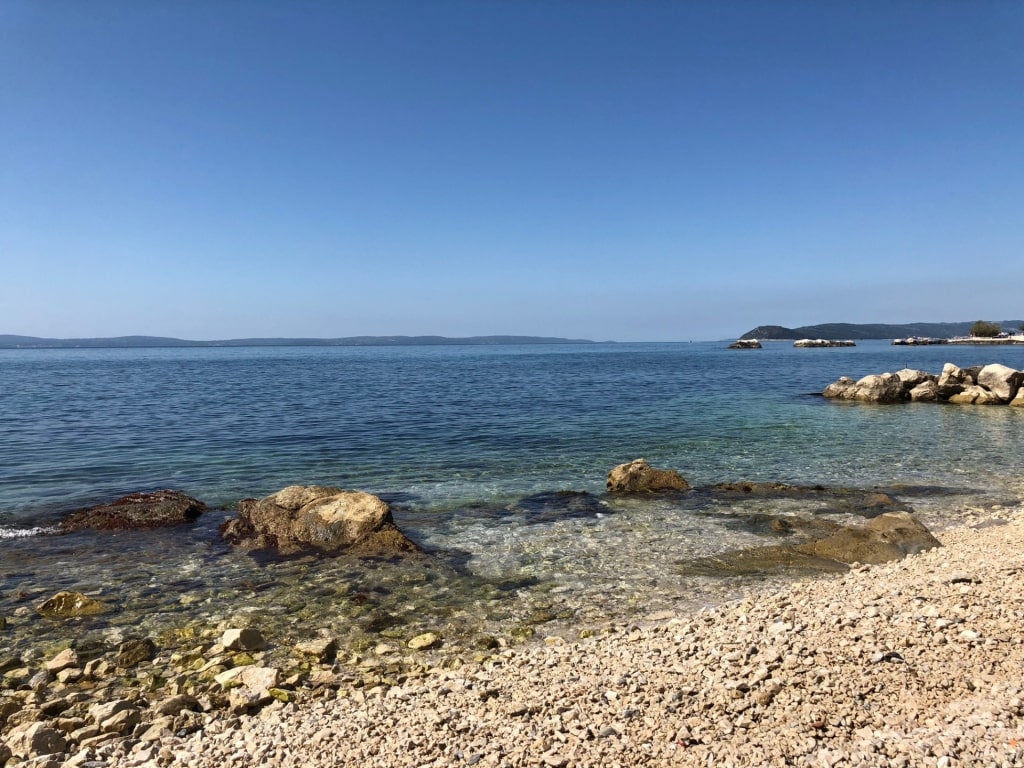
(870, 331)
(33, 342)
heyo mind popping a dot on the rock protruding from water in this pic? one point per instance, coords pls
(638, 476)
(745, 344)
(821, 343)
(876, 388)
(314, 518)
(137, 510)
(982, 385)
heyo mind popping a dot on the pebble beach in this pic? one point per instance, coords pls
(912, 663)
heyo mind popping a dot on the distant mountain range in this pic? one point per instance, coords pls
(870, 330)
(33, 342)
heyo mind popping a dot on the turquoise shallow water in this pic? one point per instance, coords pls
(444, 426)
(455, 438)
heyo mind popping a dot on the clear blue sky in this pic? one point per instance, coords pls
(608, 170)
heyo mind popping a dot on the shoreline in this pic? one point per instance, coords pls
(915, 662)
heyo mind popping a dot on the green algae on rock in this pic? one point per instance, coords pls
(66, 605)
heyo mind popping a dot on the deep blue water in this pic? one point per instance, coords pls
(439, 427)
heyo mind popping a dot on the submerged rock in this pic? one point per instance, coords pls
(425, 641)
(137, 510)
(557, 505)
(66, 605)
(315, 518)
(638, 476)
(889, 536)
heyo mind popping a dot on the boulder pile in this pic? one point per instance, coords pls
(806, 343)
(993, 384)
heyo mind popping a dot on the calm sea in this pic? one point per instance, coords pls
(455, 438)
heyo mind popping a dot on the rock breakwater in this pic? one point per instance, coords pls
(823, 343)
(993, 384)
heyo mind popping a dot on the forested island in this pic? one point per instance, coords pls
(869, 331)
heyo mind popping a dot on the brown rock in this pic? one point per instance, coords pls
(300, 519)
(135, 651)
(638, 476)
(70, 604)
(174, 705)
(891, 536)
(972, 394)
(137, 510)
(320, 648)
(34, 740)
(63, 660)
(243, 639)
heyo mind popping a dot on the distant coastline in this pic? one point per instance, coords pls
(868, 331)
(122, 342)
